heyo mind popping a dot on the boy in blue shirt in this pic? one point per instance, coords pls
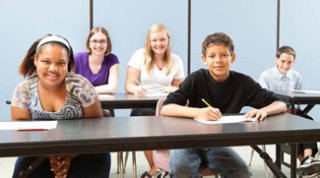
(282, 77)
(227, 92)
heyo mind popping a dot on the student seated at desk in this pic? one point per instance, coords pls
(227, 92)
(98, 64)
(153, 70)
(51, 92)
(282, 78)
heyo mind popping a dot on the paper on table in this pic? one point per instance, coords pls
(228, 119)
(105, 96)
(155, 91)
(306, 91)
(156, 94)
(28, 125)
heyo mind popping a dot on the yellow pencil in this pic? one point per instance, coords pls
(205, 102)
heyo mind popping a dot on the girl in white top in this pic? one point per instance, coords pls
(154, 67)
(160, 78)
(153, 70)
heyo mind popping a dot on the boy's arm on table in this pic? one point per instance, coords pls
(275, 107)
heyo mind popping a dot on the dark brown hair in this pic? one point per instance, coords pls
(105, 32)
(27, 66)
(286, 49)
(217, 39)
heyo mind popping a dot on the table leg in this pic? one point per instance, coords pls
(278, 156)
(307, 109)
(134, 164)
(268, 160)
(121, 175)
(293, 111)
(293, 160)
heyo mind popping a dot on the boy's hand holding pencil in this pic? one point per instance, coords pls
(208, 113)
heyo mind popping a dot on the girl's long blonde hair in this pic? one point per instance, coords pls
(148, 53)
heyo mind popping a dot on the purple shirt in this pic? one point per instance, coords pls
(100, 78)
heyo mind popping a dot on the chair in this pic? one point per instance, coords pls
(122, 165)
(265, 164)
(161, 157)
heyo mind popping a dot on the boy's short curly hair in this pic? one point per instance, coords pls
(217, 39)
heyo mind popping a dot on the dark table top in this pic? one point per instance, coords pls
(299, 97)
(151, 132)
(126, 101)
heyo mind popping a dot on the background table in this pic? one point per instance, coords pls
(128, 101)
(124, 101)
(293, 98)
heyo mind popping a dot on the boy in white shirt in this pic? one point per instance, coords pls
(282, 78)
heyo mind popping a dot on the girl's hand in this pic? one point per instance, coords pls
(60, 165)
(170, 89)
(140, 91)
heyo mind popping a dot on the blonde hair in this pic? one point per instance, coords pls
(148, 53)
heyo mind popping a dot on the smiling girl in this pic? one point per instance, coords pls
(151, 70)
(98, 64)
(51, 91)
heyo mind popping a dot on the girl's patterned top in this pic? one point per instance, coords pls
(80, 94)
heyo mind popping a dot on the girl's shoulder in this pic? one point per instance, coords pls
(81, 55)
(175, 58)
(72, 78)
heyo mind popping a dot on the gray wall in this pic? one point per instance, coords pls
(22, 24)
(300, 28)
(251, 24)
(128, 22)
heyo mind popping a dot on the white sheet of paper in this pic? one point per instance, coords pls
(105, 96)
(228, 119)
(28, 125)
(306, 91)
(156, 94)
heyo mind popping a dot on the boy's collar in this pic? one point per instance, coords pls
(219, 82)
(280, 75)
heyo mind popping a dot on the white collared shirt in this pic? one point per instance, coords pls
(274, 80)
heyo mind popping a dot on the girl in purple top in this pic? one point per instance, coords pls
(99, 65)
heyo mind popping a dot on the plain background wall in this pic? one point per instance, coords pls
(129, 21)
(22, 24)
(251, 24)
(300, 28)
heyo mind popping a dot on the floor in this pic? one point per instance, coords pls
(6, 164)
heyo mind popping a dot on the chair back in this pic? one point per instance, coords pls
(161, 157)
(159, 106)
